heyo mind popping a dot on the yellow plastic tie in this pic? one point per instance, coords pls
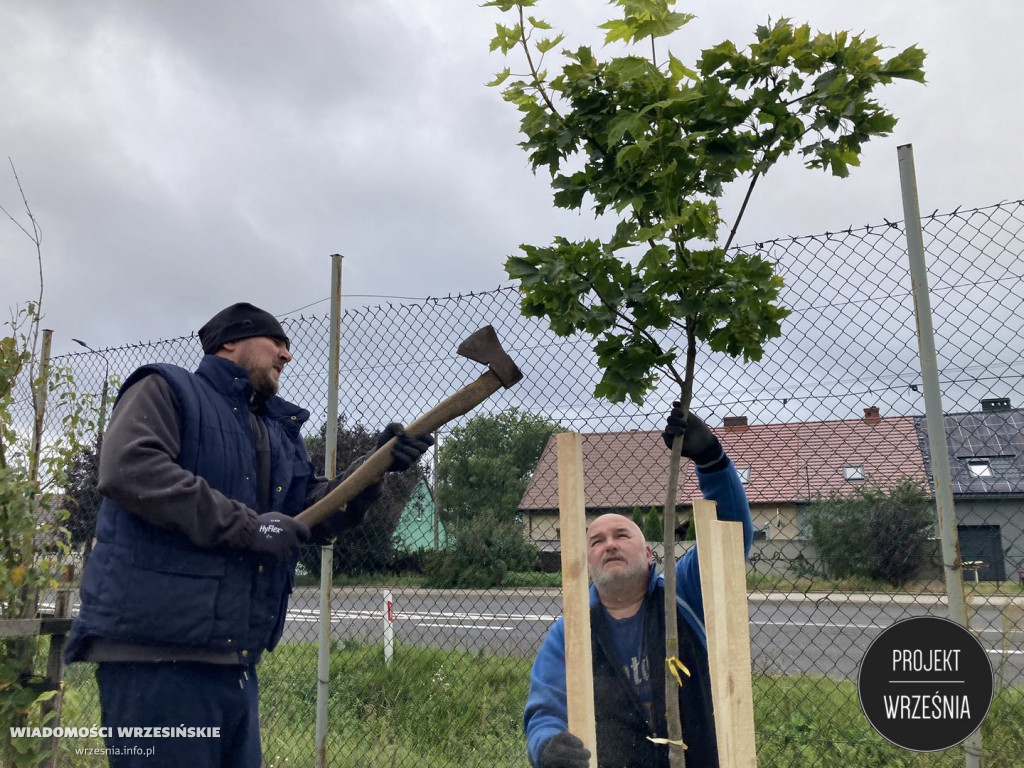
(674, 666)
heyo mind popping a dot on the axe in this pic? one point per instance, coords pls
(483, 347)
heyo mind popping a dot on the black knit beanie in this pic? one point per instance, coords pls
(239, 321)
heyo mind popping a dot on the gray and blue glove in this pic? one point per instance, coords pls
(278, 535)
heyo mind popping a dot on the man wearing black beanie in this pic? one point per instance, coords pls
(202, 475)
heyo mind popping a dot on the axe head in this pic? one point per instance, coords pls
(483, 347)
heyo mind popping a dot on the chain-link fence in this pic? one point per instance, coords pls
(830, 418)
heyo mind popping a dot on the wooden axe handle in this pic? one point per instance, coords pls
(371, 470)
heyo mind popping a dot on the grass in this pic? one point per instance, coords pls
(433, 708)
(986, 588)
(428, 708)
(817, 721)
(775, 582)
(533, 579)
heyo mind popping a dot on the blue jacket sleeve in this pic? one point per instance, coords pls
(725, 489)
(546, 710)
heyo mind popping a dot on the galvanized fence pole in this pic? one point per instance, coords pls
(327, 552)
(42, 384)
(952, 565)
(39, 402)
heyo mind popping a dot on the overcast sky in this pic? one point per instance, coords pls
(181, 156)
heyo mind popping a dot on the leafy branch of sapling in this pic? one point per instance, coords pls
(538, 74)
(658, 144)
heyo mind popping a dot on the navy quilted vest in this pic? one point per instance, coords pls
(147, 585)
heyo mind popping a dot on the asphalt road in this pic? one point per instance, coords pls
(789, 634)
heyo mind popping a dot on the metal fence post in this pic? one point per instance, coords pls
(327, 552)
(39, 403)
(934, 414)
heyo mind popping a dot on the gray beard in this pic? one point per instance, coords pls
(610, 582)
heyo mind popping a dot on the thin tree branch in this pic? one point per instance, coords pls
(538, 83)
(691, 363)
(743, 208)
(36, 236)
(628, 324)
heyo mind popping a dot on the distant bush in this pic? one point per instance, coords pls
(874, 533)
(480, 553)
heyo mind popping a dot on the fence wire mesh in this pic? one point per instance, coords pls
(834, 411)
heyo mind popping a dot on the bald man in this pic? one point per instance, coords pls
(627, 619)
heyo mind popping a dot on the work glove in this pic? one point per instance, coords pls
(408, 449)
(356, 509)
(354, 512)
(564, 750)
(699, 443)
(278, 534)
(363, 500)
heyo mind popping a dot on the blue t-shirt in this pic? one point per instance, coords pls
(628, 636)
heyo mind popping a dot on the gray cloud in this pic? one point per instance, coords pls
(182, 156)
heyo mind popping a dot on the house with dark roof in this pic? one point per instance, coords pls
(784, 467)
(986, 461)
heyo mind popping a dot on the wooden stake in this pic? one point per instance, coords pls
(579, 672)
(724, 586)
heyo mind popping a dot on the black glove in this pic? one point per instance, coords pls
(354, 512)
(362, 501)
(278, 535)
(564, 750)
(699, 443)
(356, 509)
(408, 449)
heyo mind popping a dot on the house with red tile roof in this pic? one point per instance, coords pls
(783, 466)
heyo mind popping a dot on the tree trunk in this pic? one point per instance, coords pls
(676, 753)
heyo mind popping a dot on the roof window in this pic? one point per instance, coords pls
(979, 467)
(853, 472)
(744, 473)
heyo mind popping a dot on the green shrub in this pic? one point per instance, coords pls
(874, 533)
(480, 553)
